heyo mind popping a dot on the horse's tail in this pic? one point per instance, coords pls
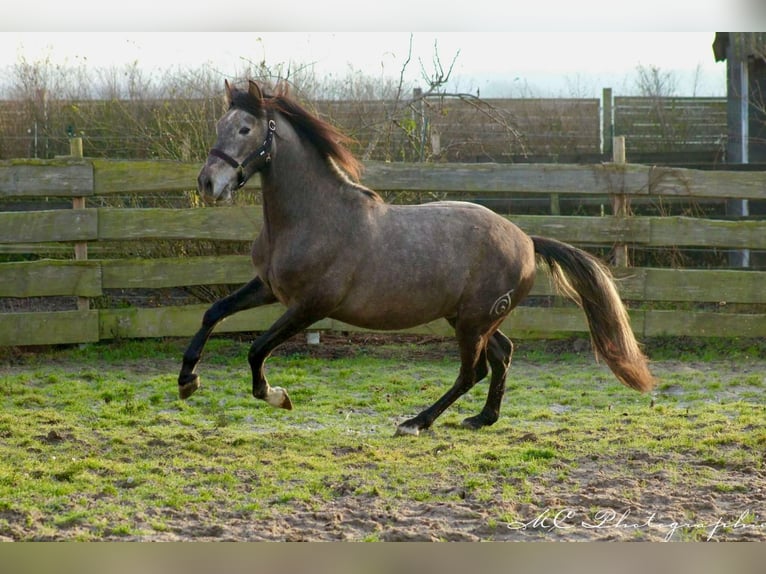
(588, 282)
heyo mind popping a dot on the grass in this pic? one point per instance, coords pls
(95, 444)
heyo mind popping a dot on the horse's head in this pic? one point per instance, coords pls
(245, 136)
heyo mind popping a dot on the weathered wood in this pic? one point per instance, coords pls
(123, 177)
(601, 179)
(703, 324)
(648, 231)
(49, 225)
(607, 121)
(692, 285)
(671, 124)
(525, 322)
(620, 202)
(244, 223)
(221, 223)
(183, 321)
(81, 247)
(89, 278)
(48, 328)
(176, 272)
(694, 232)
(35, 178)
(586, 230)
(47, 278)
(681, 182)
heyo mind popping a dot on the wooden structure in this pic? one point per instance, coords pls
(663, 301)
(459, 128)
(745, 56)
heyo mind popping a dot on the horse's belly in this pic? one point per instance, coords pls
(400, 311)
(404, 319)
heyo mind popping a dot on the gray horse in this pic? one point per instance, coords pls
(330, 247)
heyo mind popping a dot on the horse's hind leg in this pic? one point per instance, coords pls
(294, 320)
(253, 294)
(499, 351)
(482, 367)
(471, 352)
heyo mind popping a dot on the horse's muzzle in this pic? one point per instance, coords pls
(207, 189)
(205, 186)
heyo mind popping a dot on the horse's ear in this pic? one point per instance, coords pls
(255, 91)
(228, 91)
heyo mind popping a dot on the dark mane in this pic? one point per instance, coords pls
(326, 138)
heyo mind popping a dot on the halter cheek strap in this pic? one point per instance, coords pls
(259, 158)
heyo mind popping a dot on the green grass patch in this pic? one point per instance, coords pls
(95, 443)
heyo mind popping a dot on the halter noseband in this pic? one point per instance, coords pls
(261, 157)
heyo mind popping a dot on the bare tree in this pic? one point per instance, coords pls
(653, 82)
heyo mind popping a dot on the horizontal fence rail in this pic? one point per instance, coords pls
(663, 301)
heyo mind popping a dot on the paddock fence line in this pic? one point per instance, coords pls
(64, 251)
(453, 128)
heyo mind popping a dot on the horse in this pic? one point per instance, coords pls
(331, 247)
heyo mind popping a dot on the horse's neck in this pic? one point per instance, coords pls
(299, 186)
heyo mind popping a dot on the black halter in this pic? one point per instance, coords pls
(260, 158)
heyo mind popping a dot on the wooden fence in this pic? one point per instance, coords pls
(672, 125)
(663, 301)
(454, 129)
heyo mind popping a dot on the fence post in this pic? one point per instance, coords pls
(607, 123)
(620, 202)
(80, 247)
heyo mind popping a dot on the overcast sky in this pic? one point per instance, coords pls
(507, 48)
(515, 63)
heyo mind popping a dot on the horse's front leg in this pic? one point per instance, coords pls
(253, 294)
(291, 323)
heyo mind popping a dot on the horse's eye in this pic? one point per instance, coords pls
(244, 131)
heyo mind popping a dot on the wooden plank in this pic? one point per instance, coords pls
(217, 223)
(34, 178)
(47, 278)
(693, 285)
(49, 225)
(586, 230)
(638, 284)
(694, 232)
(183, 321)
(525, 322)
(106, 177)
(244, 224)
(48, 328)
(111, 177)
(682, 182)
(464, 178)
(704, 324)
(134, 322)
(176, 272)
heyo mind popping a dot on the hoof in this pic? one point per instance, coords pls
(475, 423)
(471, 423)
(405, 430)
(277, 397)
(185, 390)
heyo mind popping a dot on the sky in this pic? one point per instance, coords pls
(502, 49)
(498, 64)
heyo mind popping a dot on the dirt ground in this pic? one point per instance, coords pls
(592, 505)
(600, 500)
(597, 500)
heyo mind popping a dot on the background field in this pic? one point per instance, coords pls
(95, 445)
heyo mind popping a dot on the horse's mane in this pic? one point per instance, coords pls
(326, 138)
